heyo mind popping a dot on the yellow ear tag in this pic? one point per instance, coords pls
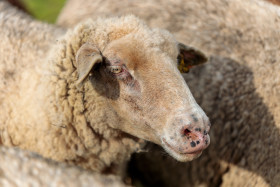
(183, 68)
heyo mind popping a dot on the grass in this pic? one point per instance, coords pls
(45, 10)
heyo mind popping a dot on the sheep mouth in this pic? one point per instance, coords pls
(180, 156)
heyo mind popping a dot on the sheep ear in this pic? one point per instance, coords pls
(189, 57)
(87, 56)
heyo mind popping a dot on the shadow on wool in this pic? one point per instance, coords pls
(243, 132)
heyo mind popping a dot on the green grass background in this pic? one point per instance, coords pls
(45, 10)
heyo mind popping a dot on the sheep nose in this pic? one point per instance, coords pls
(188, 134)
(196, 138)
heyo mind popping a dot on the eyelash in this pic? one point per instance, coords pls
(121, 73)
(115, 69)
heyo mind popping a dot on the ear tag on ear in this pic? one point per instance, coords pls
(182, 66)
(189, 57)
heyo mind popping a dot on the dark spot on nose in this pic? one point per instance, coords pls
(197, 142)
(205, 132)
(198, 129)
(206, 142)
(193, 144)
(194, 118)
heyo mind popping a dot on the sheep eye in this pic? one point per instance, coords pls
(115, 69)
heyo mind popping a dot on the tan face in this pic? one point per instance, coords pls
(146, 90)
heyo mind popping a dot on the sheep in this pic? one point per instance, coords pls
(98, 93)
(23, 168)
(239, 88)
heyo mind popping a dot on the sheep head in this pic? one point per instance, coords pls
(141, 82)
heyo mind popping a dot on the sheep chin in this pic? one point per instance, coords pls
(181, 157)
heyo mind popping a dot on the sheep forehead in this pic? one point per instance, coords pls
(157, 40)
(103, 31)
(139, 54)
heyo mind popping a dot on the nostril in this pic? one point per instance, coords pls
(187, 132)
(193, 135)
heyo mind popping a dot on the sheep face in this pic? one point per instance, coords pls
(144, 89)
